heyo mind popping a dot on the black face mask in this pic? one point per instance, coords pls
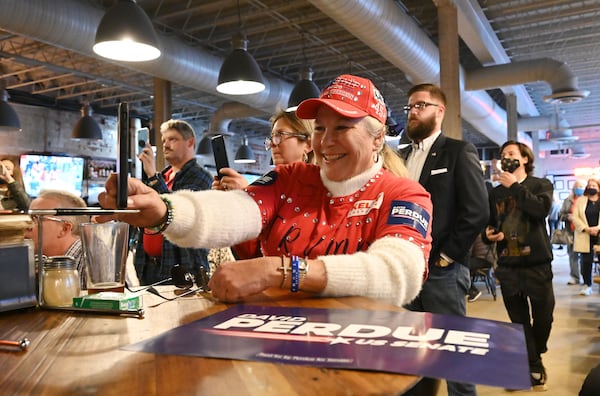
(509, 164)
(590, 191)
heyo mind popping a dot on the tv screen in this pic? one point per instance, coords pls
(52, 171)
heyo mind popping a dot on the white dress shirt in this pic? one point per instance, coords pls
(418, 155)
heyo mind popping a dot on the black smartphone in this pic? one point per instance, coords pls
(123, 155)
(219, 152)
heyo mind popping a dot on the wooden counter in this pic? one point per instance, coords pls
(78, 354)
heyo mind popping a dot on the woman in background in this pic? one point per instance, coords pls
(289, 142)
(12, 189)
(566, 215)
(586, 218)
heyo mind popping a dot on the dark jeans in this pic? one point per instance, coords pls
(445, 292)
(587, 261)
(525, 287)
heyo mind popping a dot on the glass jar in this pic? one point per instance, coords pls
(60, 282)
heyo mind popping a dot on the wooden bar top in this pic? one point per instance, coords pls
(79, 354)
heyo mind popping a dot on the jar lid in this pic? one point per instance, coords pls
(67, 262)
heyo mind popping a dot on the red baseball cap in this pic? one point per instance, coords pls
(349, 96)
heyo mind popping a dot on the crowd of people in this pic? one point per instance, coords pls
(330, 218)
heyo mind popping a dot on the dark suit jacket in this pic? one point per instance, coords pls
(452, 174)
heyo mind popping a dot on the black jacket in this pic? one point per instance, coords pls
(520, 212)
(452, 175)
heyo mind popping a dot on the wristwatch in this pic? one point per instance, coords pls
(442, 263)
(153, 180)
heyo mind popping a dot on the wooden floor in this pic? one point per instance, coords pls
(574, 346)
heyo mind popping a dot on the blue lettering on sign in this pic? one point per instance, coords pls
(410, 214)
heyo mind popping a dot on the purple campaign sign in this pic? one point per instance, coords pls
(432, 345)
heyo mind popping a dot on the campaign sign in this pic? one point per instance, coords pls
(419, 343)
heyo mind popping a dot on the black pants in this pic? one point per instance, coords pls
(525, 287)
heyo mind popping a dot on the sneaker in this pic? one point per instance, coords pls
(573, 281)
(474, 294)
(586, 291)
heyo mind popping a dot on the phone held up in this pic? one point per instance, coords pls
(220, 153)
(143, 137)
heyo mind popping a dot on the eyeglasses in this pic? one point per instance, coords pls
(35, 219)
(277, 138)
(182, 279)
(419, 106)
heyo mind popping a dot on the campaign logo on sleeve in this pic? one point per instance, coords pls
(410, 214)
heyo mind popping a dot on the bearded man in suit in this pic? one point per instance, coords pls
(450, 170)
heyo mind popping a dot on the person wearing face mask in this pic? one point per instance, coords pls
(586, 218)
(566, 216)
(519, 206)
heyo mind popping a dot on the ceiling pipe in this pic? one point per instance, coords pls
(222, 117)
(478, 34)
(557, 74)
(407, 47)
(72, 24)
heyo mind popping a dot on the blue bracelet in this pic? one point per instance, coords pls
(295, 274)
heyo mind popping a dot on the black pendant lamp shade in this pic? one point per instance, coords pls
(126, 33)
(304, 89)
(9, 120)
(87, 127)
(245, 155)
(240, 74)
(205, 146)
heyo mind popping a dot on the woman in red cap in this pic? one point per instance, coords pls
(348, 226)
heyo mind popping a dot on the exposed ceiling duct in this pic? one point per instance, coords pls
(229, 111)
(557, 74)
(71, 24)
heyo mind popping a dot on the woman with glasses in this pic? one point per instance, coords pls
(344, 226)
(289, 142)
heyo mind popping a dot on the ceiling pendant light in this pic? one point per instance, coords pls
(9, 120)
(244, 155)
(125, 33)
(305, 88)
(87, 127)
(205, 146)
(239, 73)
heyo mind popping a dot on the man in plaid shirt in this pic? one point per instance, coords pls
(155, 256)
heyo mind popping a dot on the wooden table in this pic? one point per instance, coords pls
(78, 354)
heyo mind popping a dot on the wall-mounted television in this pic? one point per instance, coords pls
(52, 171)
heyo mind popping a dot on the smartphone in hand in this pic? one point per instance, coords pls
(220, 153)
(122, 155)
(143, 137)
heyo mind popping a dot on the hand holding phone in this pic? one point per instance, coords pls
(143, 137)
(220, 153)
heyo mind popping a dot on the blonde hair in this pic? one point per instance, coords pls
(67, 200)
(391, 160)
(184, 129)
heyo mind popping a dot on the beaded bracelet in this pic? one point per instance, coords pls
(295, 274)
(162, 227)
